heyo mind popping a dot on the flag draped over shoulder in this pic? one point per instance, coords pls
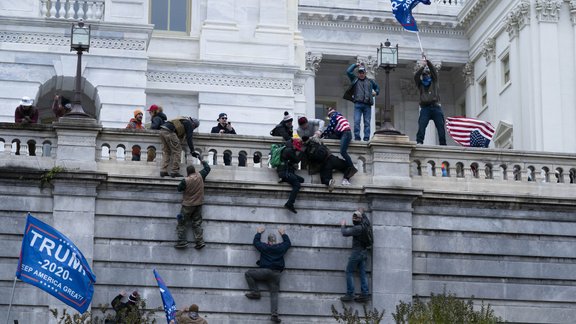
(167, 300)
(50, 261)
(470, 131)
(402, 10)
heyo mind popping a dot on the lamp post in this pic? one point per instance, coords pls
(80, 42)
(388, 60)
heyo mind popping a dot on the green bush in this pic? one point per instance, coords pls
(352, 317)
(91, 317)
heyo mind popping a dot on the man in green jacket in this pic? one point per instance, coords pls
(193, 188)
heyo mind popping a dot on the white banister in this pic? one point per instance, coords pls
(89, 10)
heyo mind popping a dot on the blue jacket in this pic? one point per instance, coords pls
(272, 256)
(349, 94)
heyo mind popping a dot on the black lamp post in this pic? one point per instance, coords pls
(80, 42)
(388, 60)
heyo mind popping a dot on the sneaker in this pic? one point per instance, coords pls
(357, 139)
(174, 175)
(366, 139)
(331, 185)
(290, 208)
(351, 172)
(362, 298)
(345, 182)
(182, 244)
(199, 246)
(252, 295)
(347, 298)
(164, 174)
(275, 319)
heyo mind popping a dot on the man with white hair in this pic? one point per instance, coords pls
(26, 114)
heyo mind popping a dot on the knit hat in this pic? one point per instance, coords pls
(302, 120)
(331, 110)
(138, 112)
(287, 117)
(222, 115)
(134, 297)
(153, 108)
(26, 102)
(193, 308)
(357, 214)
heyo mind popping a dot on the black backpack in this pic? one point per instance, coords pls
(367, 237)
(317, 152)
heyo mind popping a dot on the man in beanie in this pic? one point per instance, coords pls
(361, 92)
(193, 197)
(284, 129)
(127, 312)
(171, 133)
(309, 127)
(426, 80)
(290, 157)
(225, 127)
(320, 158)
(136, 122)
(26, 114)
(271, 265)
(190, 316)
(340, 128)
(358, 257)
(157, 117)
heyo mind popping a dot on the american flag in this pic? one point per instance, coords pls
(470, 131)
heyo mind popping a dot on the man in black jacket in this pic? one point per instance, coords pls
(157, 117)
(225, 127)
(290, 157)
(320, 158)
(426, 79)
(357, 259)
(128, 312)
(171, 132)
(285, 128)
(271, 265)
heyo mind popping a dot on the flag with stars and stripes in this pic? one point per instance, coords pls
(167, 300)
(470, 131)
(402, 10)
(50, 261)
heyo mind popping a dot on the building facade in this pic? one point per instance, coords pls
(507, 62)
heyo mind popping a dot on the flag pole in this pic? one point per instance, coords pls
(11, 299)
(420, 42)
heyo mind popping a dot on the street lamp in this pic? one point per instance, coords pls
(388, 60)
(80, 42)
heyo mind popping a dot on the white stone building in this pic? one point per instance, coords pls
(507, 62)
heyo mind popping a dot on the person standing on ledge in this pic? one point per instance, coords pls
(361, 92)
(340, 128)
(426, 79)
(26, 114)
(171, 132)
(271, 265)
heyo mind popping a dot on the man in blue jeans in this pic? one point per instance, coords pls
(340, 128)
(357, 259)
(426, 79)
(290, 157)
(361, 91)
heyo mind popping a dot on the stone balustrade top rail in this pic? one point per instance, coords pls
(385, 161)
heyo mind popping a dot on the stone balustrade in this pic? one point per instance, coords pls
(89, 10)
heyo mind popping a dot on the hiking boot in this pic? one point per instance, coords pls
(199, 246)
(345, 182)
(331, 185)
(347, 298)
(174, 175)
(252, 295)
(290, 207)
(351, 172)
(182, 244)
(362, 298)
(164, 174)
(275, 319)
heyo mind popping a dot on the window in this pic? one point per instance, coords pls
(506, 69)
(320, 111)
(170, 15)
(483, 93)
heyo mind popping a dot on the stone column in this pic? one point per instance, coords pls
(468, 76)
(77, 143)
(312, 65)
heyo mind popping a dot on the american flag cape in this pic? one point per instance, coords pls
(470, 131)
(402, 10)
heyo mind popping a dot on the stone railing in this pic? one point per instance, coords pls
(34, 140)
(450, 2)
(89, 10)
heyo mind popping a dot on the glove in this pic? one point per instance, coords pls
(196, 155)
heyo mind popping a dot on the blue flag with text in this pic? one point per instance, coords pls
(167, 300)
(51, 262)
(402, 10)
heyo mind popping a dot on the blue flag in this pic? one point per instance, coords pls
(51, 262)
(402, 10)
(167, 300)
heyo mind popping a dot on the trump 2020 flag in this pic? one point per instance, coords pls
(402, 10)
(470, 131)
(167, 300)
(50, 261)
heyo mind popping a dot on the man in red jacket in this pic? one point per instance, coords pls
(26, 114)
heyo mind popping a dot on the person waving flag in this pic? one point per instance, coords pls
(402, 10)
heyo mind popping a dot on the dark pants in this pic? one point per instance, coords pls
(358, 260)
(427, 113)
(269, 276)
(345, 140)
(192, 214)
(295, 181)
(332, 163)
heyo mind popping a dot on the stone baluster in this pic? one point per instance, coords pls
(89, 10)
(7, 148)
(52, 10)
(99, 12)
(211, 158)
(43, 8)
(62, 11)
(80, 12)
(70, 9)
(497, 174)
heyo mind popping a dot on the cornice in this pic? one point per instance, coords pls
(219, 80)
(470, 11)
